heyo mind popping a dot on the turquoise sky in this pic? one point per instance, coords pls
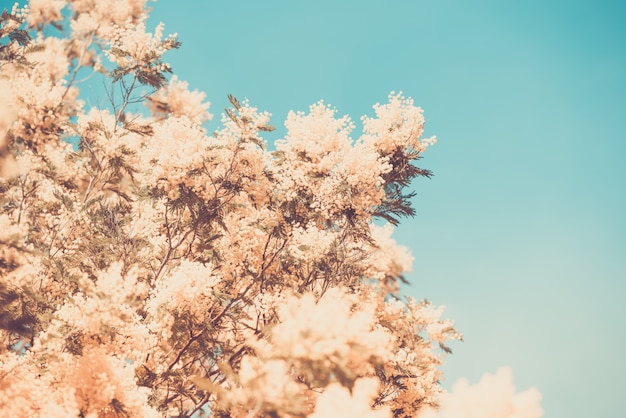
(522, 231)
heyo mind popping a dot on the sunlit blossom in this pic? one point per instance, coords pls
(149, 268)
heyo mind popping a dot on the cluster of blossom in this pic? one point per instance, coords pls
(317, 158)
(103, 19)
(42, 12)
(131, 45)
(149, 269)
(493, 396)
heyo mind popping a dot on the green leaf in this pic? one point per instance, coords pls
(20, 36)
(120, 53)
(233, 117)
(118, 73)
(151, 77)
(233, 100)
(143, 130)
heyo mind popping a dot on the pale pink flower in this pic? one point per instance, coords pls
(398, 124)
(338, 326)
(337, 401)
(389, 258)
(494, 396)
(176, 99)
(45, 11)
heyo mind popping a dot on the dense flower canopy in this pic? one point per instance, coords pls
(148, 268)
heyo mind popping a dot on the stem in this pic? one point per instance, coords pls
(182, 350)
(127, 93)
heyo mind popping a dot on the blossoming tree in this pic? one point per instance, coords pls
(150, 269)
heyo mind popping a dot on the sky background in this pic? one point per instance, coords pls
(521, 233)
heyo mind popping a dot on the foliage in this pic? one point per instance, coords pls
(151, 269)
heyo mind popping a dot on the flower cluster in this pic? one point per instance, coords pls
(104, 18)
(45, 11)
(175, 100)
(493, 396)
(131, 44)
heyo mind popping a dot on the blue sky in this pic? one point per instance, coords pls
(522, 231)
